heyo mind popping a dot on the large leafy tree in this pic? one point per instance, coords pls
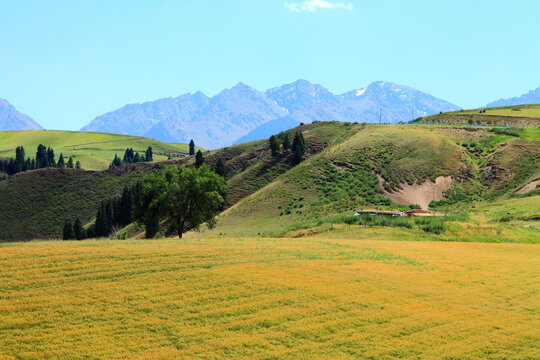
(184, 198)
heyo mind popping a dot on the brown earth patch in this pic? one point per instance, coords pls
(529, 187)
(421, 194)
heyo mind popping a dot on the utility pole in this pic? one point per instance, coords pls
(380, 117)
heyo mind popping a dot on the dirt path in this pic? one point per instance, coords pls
(421, 194)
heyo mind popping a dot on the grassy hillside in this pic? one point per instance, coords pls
(250, 166)
(35, 204)
(95, 151)
(517, 115)
(253, 298)
(532, 111)
(377, 162)
(347, 167)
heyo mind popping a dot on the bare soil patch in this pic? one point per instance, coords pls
(529, 187)
(421, 194)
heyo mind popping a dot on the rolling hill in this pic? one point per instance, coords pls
(347, 167)
(243, 113)
(11, 119)
(516, 115)
(95, 151)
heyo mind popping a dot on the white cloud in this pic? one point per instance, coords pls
(314, 5)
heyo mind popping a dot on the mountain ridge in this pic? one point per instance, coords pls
(12, 119)
(238, 112)
(530, 97)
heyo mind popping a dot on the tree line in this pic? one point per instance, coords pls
(182, 199)
(283, 141)
(131, 157)
(111, 215)
(45, 158)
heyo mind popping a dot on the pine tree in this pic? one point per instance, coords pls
(78, 165)
(136, 158)
(50, 157)
(220, 168)
(61, 164)
(101, 226)
(298, 147)
(199, 158)
(41, 157)
(126, 206)
(116, 161)
(286, 142)
(70, 163)
(78, 230)
(191, 147)
(274, 146)
(151, 223)
(68, 232)
(129, 156)
(19, 159)
(136, 192)
(149, 154)
(116, 211)
(109, 217)
(91, 232)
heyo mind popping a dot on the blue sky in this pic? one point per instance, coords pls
(65, 62)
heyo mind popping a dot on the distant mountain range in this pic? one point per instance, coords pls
(243, 113)
(532, 97)
(11, 119)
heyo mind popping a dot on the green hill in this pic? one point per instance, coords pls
(401, 163)
(95, 151)
(347, 167)
(517, 115)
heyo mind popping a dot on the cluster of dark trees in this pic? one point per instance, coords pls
(131, 157)
(219, 168)
(44, 158)
(112, 214)
(283, 141)
(74, 231)
(183, 198)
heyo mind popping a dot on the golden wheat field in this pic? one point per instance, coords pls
(269, 298)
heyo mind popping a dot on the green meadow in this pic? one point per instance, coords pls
(95, 151)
